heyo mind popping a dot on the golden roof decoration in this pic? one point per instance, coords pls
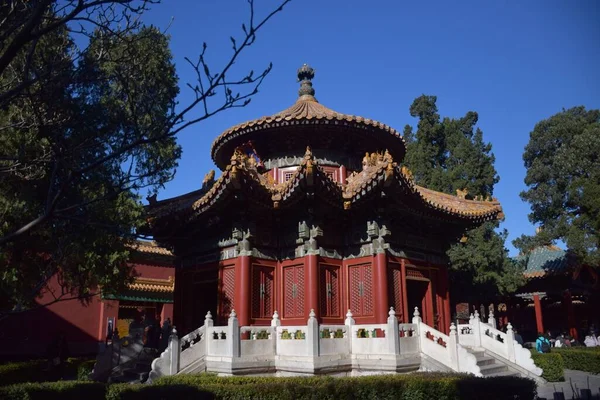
(379, 170)
(150, 248)
(153, 285)
(306, 109)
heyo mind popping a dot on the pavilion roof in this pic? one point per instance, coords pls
(545, 260)
(380, 171)
(153, 285)
(308, 111)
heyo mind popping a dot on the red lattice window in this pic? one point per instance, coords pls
(262, 291)
(415, 273)
(287, 176)
(395, 285)
(361, 290)
(227, 291)
(329, 286)
(293, 287)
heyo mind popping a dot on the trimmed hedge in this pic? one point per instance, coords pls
(552, 364)
(580, 358)
(412, 386)
(37, 371)
(24, 371)
(54, 390)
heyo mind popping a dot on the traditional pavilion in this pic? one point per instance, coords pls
(312, 211)
(560, 295)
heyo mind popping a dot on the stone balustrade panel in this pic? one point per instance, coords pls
(260, 341)
(434, 343)
(364, 340)
(291, 340)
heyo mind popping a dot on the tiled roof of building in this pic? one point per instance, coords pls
(545, 260)
(307, 110)
(379, 170)
(150, 248)
(153, 285)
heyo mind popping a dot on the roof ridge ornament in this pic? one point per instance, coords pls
(305, 75)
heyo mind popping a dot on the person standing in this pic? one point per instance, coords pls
(542, 344)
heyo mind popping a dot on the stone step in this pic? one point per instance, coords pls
(487, 370)
(135, 375)
(485, 360)
(506, 373)
(143, 366)
(122, 379)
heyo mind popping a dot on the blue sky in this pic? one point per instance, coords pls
(514, 62)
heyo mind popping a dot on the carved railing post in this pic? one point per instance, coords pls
(416, 320)
(275, 322)
(453, 347)
(416, 316)
(312, 335)
(491, 319)
(233, 334)
(208, 321)
(175, 350)
(476, 326)
(510, 342)
(393, 334)
(349, 320)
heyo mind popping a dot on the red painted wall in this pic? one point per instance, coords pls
(28, 334)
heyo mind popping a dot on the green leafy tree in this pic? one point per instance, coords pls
(88, 120)
(449, 154)
(563, 179)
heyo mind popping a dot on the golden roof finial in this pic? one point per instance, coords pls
(305, 76)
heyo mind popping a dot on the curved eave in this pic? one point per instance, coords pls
(310, 177)
(235, 178)
(306, 112)
(365, 184)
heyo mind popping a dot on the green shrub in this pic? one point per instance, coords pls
(580, 358)
(552, 364)
(413, 386)
(37, 371)
(25, 371)
(54, 390)
(418, 386)
(84, 369)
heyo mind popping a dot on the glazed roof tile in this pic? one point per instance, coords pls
(241, 173)
(306, 108)
(153, 285)
(545, 260)
(150, 248)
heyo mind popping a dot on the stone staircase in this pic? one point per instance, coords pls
(491, 366)
(135, 371)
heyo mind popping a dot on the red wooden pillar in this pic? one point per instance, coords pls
(428, 305)
(343, 174)
(381, 289)
(311, 287)
(446, 316)
(406, 312)
(243, 297)
(568, 306)
(538, 313)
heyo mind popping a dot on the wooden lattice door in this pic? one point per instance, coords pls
(395, 292)
(361, 290)
(329, 287)
(226, 293)
(262, 291)
(293, 291)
